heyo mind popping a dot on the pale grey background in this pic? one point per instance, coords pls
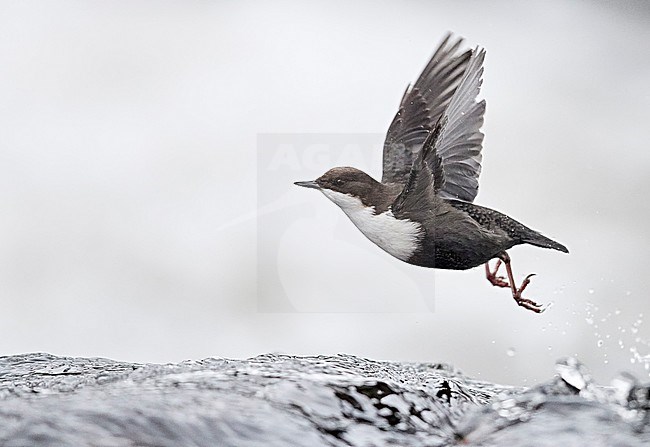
(129, 180)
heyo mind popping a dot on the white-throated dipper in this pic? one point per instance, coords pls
(422, 212)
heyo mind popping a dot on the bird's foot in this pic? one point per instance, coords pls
(491, 275)
(525, 302)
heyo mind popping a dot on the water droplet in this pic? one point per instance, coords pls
(617, 311)
(591, 291)
(511, 352)
(550, 348)
(628, 293)
(600, 343)
(589, 320)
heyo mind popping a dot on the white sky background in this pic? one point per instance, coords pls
(129, 181)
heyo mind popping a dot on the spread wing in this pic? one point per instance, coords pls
(421, 108)
(450, 159)
(457, 148)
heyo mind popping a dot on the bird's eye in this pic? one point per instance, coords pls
(338, 182)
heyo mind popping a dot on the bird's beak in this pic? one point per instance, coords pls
(308, 184)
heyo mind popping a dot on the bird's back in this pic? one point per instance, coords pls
(495, 221)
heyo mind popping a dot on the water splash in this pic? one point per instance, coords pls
(572, 392)
(573, 373)
(623, 333)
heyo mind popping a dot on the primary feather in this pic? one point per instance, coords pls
(421, 107)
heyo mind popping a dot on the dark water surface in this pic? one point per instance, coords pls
(278, 400)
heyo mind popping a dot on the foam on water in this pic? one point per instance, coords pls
(278, 400)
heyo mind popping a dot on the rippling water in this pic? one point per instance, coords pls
(278, 400)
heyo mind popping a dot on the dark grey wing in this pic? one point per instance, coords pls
(450, 160)
(421, 107)
(458, 146)
(425, 178)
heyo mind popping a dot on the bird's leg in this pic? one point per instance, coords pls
(516, 292)
(491, 275)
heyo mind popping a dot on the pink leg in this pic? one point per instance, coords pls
(516, 292)
(491, 275)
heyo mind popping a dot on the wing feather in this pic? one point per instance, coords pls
(449, 162)
(460, 142)
(421, 108)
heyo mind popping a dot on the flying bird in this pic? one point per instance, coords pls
(422, 211)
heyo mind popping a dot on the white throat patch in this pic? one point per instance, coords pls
(395, 236)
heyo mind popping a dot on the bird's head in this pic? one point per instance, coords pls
(345, 186)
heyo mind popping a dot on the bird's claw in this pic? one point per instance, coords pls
(530, 305)
(525, 302)
(491, 275)
(525, 282)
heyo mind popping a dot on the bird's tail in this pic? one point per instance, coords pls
(544, 242)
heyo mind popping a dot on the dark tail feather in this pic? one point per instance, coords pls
(544, 242)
